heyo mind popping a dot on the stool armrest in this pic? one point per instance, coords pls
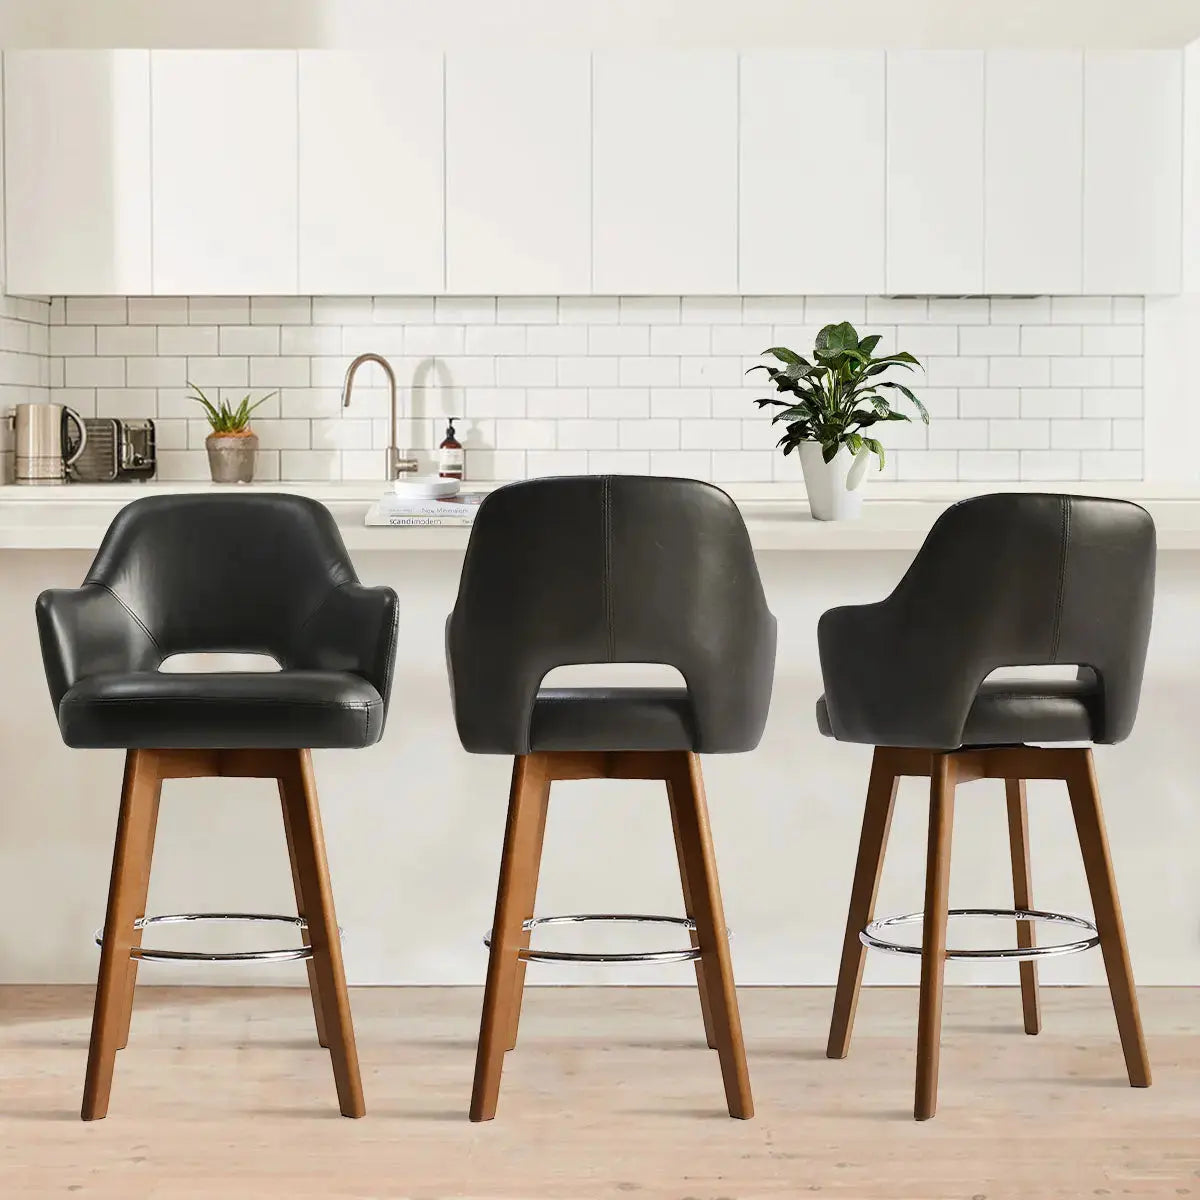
(892, 679)
(88, 631)
(353, 630)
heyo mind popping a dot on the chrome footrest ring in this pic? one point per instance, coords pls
(649, 956)
(873, 938)
(151, 954)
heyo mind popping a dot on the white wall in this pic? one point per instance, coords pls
(593, 23)
(415, 825)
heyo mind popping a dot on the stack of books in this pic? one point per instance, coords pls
(403, 510)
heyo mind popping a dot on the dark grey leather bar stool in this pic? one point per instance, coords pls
(597, 569)
(1006, 580)
(249, 573)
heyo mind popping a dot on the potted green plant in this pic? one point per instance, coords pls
(832, 399)
(232, 446)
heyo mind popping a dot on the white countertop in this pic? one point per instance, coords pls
(895, 516)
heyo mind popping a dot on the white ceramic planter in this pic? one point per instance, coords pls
(834, 488)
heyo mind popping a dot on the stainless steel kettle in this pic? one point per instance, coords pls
(43, 447)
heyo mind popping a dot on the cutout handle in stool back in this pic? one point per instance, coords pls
(1006, 580)
(607, 569)
(252, 572)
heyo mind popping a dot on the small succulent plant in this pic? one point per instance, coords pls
(223, 417)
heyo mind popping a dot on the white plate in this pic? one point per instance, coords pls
(425, 487)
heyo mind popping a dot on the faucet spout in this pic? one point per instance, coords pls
(397, 464)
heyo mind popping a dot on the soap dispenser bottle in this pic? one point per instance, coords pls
(450, 455)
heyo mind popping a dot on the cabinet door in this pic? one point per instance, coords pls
(1034, 171)
(935, 171)
(1132, 171)
(77, 171)
(371, 171)
(224, 171)
(803, 227)
(518, 172)
(664, 172)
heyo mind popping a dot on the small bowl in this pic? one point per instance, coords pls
(425, 487)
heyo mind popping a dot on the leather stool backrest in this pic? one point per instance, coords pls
(1010, 579)
(237, 573)
(595, 569)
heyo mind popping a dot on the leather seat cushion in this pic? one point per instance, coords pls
(1020, 710)
(232, 710)
(612, 719)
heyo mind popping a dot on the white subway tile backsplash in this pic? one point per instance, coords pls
(527, 310)
(122, 339)
(1051, 339)
(219, 310)
(649, 310)
(711, 310)
(126, 402)
(97, 310)
(1018, 387)
(450, 310)
(1081, 310)
(158, 310)
(1081, 372)
(188, 340)
(73, 340)
(256, 339)
(618, 402)
(619, 339)
(91, 372)
(281, 310)
(1111, 464)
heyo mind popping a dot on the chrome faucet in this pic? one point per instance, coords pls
(397, 464)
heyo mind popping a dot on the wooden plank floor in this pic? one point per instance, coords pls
(224, 1094)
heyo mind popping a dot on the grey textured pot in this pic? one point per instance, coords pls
(231, 459)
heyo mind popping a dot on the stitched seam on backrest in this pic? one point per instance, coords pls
(1065, 540)
(137, 620)
(606, 508)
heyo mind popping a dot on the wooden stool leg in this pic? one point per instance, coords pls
(877, 820)
(136, 940)
(695, 837)
(1018, 841)
(126, 902)
(518, 867)
(933, 938)
(302, 911)
(542, 801)
(689, 910)
(1093, 843)
(299, 794)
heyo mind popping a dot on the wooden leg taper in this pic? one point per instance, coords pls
(877, 820)
(518, 879)
(299, 794)
(1093, 843)
(933, 938)
(695, 839)
(542, 803)
(126, 902)
(302, 911)
(689, 909)
(1018, 841)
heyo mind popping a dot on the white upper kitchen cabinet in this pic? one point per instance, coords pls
(1132, 170)
(77, 171)
(224, 171)
(518, 172)
(1033, 142)
(664, 172)
(371, 172)
(935, 171)
(806, 228)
